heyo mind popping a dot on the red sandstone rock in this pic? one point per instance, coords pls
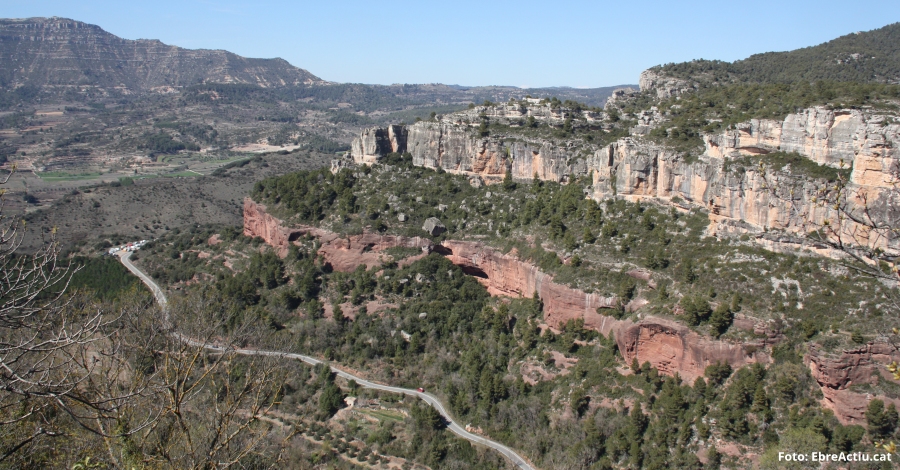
(343, 253)
(673, 348)
(259, 223)
(835, 374)
(508, 276)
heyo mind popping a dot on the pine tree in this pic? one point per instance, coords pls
(721, 319)
(876, 420)
(760, 399)
(714, 458)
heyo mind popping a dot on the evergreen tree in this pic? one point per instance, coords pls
(714, 458)
(508, 184)
(880, 422)
(721, 319)
(760, 399)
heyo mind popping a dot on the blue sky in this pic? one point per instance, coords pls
(558, 43)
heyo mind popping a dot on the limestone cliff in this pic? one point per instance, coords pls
(739, 200)
(665, 86)
(451, 143)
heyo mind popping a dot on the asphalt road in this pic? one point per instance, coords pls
(453, 426)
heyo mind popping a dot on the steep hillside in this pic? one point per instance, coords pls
(870, 56)
(67, 53)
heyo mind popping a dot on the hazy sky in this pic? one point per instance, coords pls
(547, 43)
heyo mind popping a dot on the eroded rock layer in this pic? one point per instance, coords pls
(344, 253)
(508, 276)
(739, 199)
(668, 346)
(836, 373)
(673, 348)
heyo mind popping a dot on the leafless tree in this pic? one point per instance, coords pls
(44, 341)
(214, 402)
(63, 366)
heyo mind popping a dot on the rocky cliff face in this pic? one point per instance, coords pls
(451, 143)
(63, 52)
(375, 143)
(673, 348)
(739, 200)
(506, 275)
(454, 148)
(665, 86)
(837, 373)
(670, 347)
(343, 253)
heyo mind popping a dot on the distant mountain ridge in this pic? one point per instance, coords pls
(55, 54)
(63, 52)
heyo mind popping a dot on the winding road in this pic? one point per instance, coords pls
(453, 426)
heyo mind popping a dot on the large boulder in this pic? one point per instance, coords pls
(434, 226)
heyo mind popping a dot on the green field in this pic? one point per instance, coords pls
(63, 176)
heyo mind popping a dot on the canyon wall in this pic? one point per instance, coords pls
(739, 199)
(673, 348)
(668, 346)
(506, 275)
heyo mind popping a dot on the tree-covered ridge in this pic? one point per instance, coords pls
(871, 56)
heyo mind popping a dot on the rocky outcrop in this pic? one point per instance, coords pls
(434, 226)
(619, 95)
(665, 86)
(343, 253)
(374, 143)
(455, 148)
(506, 275)
(259, 223)
(668, 346)
(825, 136)
(835, 374)
(673, 348)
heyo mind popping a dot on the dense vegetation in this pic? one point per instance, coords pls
(164, 143)
(103, 277)
(871, 56)
(442, 331)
